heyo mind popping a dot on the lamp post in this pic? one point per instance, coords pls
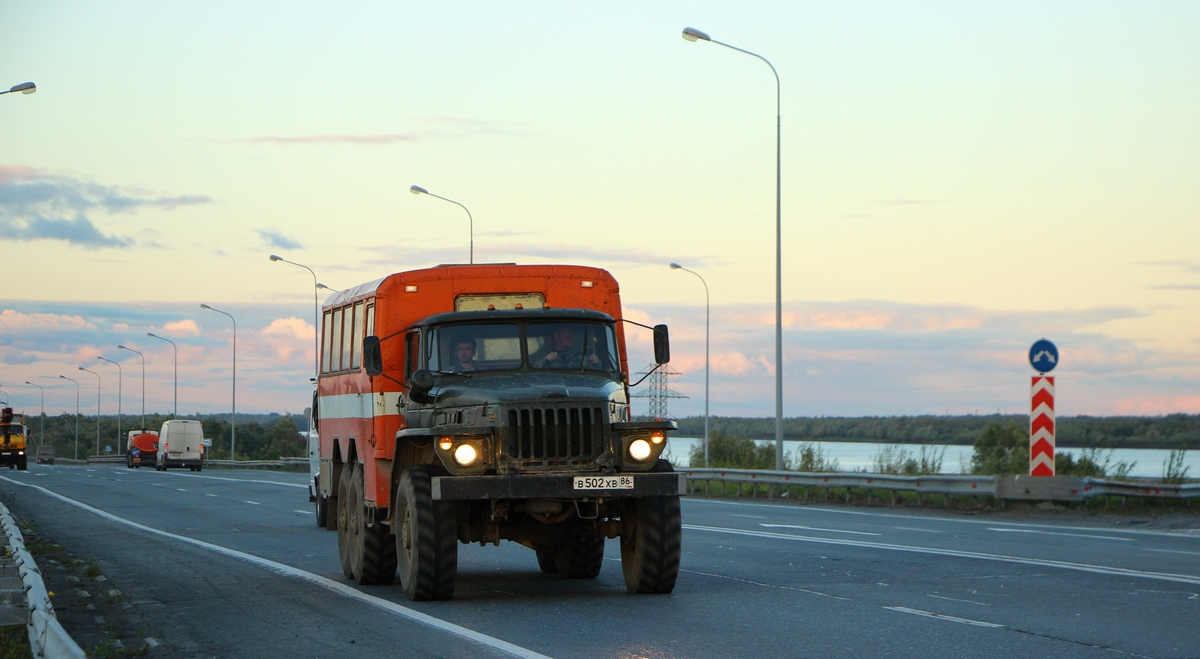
(175, 348)
(676, 266)
(97, 412)
(418, 190)
(24, 88)
(42, 431)
(316, 314)
(77, 411)
(692, 34)
(233, 416)
(120, 377)
(326, 288)
(143, 382)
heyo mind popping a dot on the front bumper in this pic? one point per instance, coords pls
(558, 486)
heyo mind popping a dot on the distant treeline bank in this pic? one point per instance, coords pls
(259, 436)
(1164, 432)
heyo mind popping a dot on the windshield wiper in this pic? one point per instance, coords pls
(465, 375)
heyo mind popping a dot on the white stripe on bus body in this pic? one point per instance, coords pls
(360, 406)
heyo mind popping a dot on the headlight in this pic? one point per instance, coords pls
(465, 455)
(639, 450)
(657, 436)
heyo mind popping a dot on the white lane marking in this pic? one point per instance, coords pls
(1069, 535)
(813, 528)
(303, 512)
(210, 495)
(1082, 567)
(1173, 551)
(913, 528)
(253, 503)
(938, 616)
(955, 599)
(181, 489)
(748, 516)
(782, 506)
(329, 584)
(241, 480)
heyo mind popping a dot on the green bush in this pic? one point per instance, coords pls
(733, 453)
(895, 459)
(1001, 449)
(809, 457)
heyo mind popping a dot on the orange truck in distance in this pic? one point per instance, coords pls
(480, 403)
(141, 448)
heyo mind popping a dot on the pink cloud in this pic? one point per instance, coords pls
(14, 321)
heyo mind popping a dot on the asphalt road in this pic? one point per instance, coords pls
(237, 564)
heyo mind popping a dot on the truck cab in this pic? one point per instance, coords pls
(12, 440)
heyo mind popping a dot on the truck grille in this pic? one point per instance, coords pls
(550, 435)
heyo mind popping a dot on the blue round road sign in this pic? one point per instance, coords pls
(1043, 356)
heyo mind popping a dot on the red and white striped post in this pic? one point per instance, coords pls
(1041, 426)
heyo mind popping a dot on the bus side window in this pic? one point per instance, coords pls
(325, 346)
(412, 344)
(335, 344)
(356, 343)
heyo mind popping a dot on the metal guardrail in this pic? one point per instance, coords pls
(1054, 488)
(47, 638)
(120, 459)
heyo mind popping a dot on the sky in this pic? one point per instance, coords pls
(958, 180)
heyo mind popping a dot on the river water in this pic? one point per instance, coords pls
(855, 456)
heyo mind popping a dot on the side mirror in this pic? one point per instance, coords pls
(662, 345)
(372, 356)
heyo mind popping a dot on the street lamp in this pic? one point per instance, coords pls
(174, 347)
(42, 431)
(233, 416)
(24, 88)
(77, 411)
(418, 190)
(316, 313)
(143, 382)
(676, 266)
(97, 412)
(326, 288)
(120, 377)
(692, 34)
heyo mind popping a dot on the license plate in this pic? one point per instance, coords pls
(604, 482)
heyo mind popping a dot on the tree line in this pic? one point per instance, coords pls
(1171, 431)
(259, 437)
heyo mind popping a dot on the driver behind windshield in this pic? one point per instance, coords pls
(464, 356)
(559, 351)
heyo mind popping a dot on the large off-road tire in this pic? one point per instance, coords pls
(23, 463)
(580, 559)
(322, 506)
(375, 550)
(651, 542)
(426, 538)
(546, 562)
(347, 509)
(128, 461)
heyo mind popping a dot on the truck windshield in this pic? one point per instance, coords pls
(474, 347)
(572, 345)
(14, 430)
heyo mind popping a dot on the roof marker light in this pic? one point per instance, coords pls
(411, 288)
(587, 283)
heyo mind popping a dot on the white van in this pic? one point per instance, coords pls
(180, 444)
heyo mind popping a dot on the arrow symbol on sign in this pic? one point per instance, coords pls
(1044, 354)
